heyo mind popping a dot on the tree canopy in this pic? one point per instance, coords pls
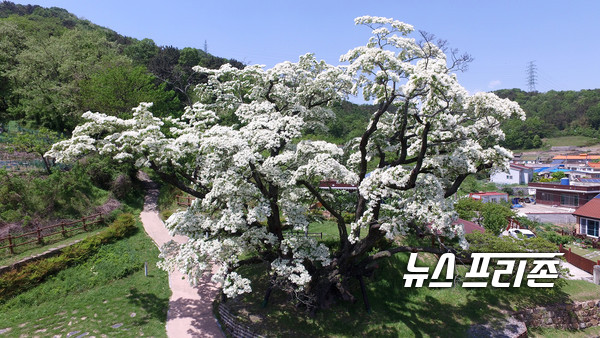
(240, 151)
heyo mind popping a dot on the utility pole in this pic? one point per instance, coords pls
(531, 76)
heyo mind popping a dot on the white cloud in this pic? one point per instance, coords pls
(493, 84)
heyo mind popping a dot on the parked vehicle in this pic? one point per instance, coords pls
(520, 233)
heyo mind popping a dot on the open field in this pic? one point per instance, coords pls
(587, 144)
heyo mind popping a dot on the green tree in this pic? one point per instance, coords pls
(487, 242)
(142, 51)
(593, 116)
(12, 42)
(468, 208)
(174, 67)
(522, 134)
(495, 217)
(49, 73)
(556, 176)
(536, 142)
(116, 90)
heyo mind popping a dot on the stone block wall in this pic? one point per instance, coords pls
(578, 315)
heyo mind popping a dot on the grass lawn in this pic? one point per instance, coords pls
(108, 294)
(589, 253)
(555, 333)
(563, 141)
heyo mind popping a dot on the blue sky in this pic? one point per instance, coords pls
(562, 37)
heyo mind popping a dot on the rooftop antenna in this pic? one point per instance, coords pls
(531, 76)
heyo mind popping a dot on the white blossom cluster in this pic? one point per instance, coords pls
(462, 130)
(240, 147)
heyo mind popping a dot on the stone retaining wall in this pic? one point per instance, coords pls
(230, 324)
(578, 315)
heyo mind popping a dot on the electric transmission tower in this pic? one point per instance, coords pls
(205, 47)
(531, 76)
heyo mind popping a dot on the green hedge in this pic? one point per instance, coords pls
(30, 275)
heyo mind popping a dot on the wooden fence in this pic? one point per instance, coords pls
(580, 262)
(37, 236)
(185, 201)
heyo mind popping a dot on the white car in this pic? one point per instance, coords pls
(520, 233)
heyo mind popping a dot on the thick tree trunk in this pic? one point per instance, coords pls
(46, 165)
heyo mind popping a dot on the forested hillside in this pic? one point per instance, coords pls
(554, 113)
(55, 66)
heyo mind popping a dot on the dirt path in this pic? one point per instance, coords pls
(190, 308)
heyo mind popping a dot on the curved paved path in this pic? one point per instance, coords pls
(190, 308)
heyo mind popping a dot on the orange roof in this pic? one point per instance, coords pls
(577, 157)
(492, 193)
(594, 164)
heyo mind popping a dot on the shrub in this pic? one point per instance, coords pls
(556, 238)
(348, 217)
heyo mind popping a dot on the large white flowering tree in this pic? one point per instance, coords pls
(240, 150)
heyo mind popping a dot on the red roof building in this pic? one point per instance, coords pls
(489, 196)
(469, 226)
(588, 217)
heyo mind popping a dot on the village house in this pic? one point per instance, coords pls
(517, 174)
(588, 217)
(565, 194)
(486, 197)
(526, 159)
(575, 159)
(589, 170)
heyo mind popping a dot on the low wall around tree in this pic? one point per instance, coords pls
(231, 325)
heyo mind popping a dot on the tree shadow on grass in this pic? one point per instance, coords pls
(156, 307)
(397, 310)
